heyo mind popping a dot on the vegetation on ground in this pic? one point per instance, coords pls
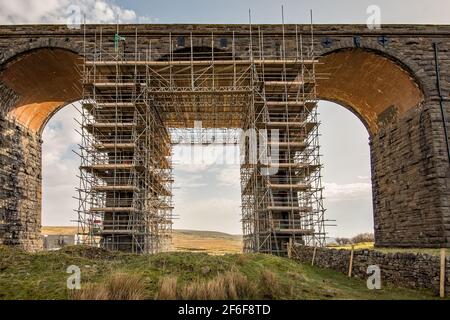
(206, 241)
(365, 241)
(357, 246)
(360, 238)
(178, 275)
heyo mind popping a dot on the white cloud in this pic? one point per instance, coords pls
(61, 11)
(60, 168)
(194, 158)
(229, 176)
(346, 192)
(185, 182)
(58, 206)
(214, 214)
(60, 138)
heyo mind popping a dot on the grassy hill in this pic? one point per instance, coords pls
(206, 241)
(180, 275)
(60, 231)
(183, 240)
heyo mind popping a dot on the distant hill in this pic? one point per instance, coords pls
(59, 231)
(212, 234)
(212, 242)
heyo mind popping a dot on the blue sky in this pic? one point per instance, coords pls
(207, 197)
(296, 11)
(230, 11)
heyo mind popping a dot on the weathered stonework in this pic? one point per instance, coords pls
(406, 270)
(410, 181)
(9, 98)
(20, 187)
(386, 77)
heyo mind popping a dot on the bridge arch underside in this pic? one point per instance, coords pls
(372, 86)
(408, 208)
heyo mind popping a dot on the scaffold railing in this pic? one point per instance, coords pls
(141, 97)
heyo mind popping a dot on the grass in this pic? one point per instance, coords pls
(59, 231)
(370, 246)
(358, 246)
(118, 286)
(270, 285)
(209, 242)
(178, 275)
(231, 285)
(168, 288)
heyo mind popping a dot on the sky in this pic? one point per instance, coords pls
(207, 196)
(230, 11)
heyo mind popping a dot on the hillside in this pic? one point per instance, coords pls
(183, 240)
(60, 231)
(107, 275)
(206, 241)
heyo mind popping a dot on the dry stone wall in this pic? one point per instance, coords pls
(407, 270)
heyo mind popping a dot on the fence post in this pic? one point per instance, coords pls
(314, 256)
(350, 267)
(442, 277)
(290, 248)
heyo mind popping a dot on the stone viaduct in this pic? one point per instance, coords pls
(396, 80)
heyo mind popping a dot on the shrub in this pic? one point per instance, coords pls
(118, 286)
(231, 285)
(242, 259)
(363, 237)
(167, 289)
(125, 287)
(269, 285)
(238, 286)
(204, 290)
(343, 241)
(90, 292)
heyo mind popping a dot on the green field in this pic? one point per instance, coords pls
(177, 275)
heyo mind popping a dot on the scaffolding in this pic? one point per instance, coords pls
(125, 193)
(282, 201)
(140, 99)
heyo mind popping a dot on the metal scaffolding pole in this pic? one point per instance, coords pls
(136, 106)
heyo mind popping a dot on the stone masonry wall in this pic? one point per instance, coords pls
(410, 174)
(407, 270)
(20, 187)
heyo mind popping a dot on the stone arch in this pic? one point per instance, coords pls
(40, 43)
(43, 79)
(377, 87)
(41, 89)
(391, 52)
